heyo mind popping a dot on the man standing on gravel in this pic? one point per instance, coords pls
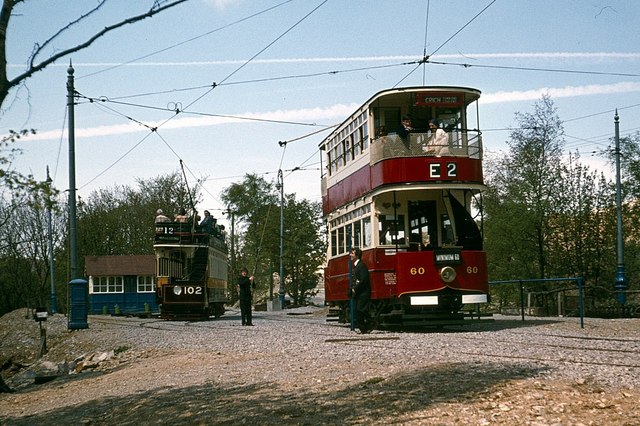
(245, 287)
(361, 290)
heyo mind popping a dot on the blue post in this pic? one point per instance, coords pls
(521, 299)
(621, 282)
(580, 302)
(78, 304)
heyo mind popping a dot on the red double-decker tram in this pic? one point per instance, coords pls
(410, 202)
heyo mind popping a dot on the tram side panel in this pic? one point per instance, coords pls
(396, 274)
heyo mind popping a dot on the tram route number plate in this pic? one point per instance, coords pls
(438, 171)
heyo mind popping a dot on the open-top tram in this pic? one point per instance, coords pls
(191, 271)
(410, 206)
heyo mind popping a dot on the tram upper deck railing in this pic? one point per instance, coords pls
(459, 144)
(187, 233)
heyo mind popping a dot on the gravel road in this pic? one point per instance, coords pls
(294, 367)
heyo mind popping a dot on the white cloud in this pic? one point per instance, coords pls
(330, 115)
(336, 113)
(334, 59)
(560, 92)
(221, 4)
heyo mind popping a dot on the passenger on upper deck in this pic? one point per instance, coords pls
(405, 127)
(182, 216)
(438, 143)
(160, 217)
(207, 223)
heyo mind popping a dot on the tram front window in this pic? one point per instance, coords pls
(391, 229)
(422, 225)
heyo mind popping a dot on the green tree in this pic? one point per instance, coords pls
(120, 220)
(630, 191)
(304, 249)
(582, 240)
(525, 186)
(256, 205)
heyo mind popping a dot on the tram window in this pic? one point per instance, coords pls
(467, 229)
(341, 248)
(364, 136)
(356, 144)
(334, 242)
(448, 237)
(423, 226)
(349, 235)
(451, 123)
(163, 267)
(391, 230)
(357, 234)
(366, 225)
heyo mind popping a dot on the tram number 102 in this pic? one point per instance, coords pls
(436, 170)
(187, 290)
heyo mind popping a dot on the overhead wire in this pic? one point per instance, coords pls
(424, 50)
(463, 27)
(426, 58)
(269, 79)
(155, 129)
(225, 82)
(555, 70)
(188, 40)
(178, 110)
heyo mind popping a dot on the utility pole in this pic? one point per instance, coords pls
(233, 246)
(51, 260)
(281, 187)
(621, 281)
(73, 227)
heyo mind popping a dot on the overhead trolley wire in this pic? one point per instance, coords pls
(424, 51)
(426, 58)
(468, 65)
(188, 40)
(463, 27)
(155, 129)
(262, 80)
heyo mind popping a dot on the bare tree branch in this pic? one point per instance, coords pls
(5, 14)
(39, 47)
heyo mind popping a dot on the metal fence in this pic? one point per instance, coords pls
(522, 282)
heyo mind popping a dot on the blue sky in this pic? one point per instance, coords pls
(144, 71)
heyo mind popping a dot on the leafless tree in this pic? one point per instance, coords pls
(36, 63)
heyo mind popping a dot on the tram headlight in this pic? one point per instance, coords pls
(177, 290)
(448, 274)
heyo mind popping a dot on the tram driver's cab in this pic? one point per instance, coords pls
(425, 220)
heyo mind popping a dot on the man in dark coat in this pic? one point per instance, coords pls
(245, 287)
(207, 223)
(361, 291)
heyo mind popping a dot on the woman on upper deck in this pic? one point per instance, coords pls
(438, 143)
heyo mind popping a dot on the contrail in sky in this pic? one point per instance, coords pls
(336, 112)
(515, 55)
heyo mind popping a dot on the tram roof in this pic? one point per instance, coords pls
(425, 89)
